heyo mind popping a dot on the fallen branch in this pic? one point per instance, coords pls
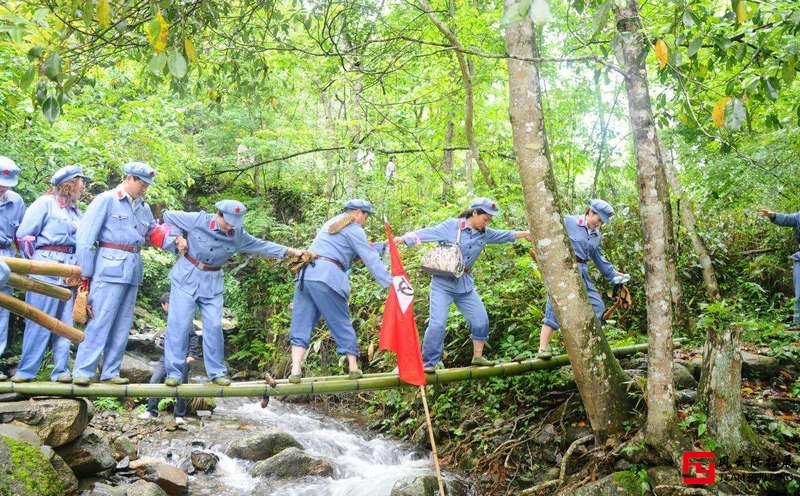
(572, 447)
(538, 487)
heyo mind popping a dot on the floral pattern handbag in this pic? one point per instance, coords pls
(446, 258)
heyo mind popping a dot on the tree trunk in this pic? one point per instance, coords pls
(598, 374)
(687, 217)
(469, 99)
(720, 391)
(447, 163)
(661, 430)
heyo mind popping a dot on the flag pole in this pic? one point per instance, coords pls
(433, 441)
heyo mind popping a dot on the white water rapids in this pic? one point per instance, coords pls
(364, 464)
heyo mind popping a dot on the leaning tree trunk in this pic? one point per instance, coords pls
(689, 223)
(661, 431)
(600, 379)
(469, 99)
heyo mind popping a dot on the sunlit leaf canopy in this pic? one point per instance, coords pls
(307, 83)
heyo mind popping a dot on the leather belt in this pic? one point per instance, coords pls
(581, 260)
(200, 265)
(116, 246)
(59, 248)
(332, 260)
(467, 270)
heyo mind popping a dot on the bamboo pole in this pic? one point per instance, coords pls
(332, 384)
(433, 440)
(23, 283)
(34, 314)
(23, 266)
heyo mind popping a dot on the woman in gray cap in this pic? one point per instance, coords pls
(585, 237)
(446, 290)
(47, 233)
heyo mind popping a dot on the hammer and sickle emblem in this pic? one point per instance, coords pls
(404, 287)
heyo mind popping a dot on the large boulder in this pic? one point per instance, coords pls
(88, 455)
(291, 463)
(26, 471)
(427, 485)
(135, 368)
(144, 488)
(65, 419)
(682, 378)
(20, 433)
(65, 474)
(262, 445)
(172, 480)
(57, 421)
(759, 366)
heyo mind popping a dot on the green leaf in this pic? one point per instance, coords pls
(157, 63)
(176, 63)
(52, 66)
(51, 109)
(517, 12)
(601, 17)
(694, 47)
(27, 78)
(35, 52)
(788, 71)
(735, 114)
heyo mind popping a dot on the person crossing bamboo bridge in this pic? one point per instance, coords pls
(12, 209)
(118, 223)
(197, 282)
(322, 285)
(470, 232)
(47, 233)
(585, 238)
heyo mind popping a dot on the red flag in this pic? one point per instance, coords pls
(399, 329)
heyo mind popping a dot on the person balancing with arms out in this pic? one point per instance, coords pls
(197, 282)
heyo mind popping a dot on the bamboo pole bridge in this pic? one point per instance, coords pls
(282, 387)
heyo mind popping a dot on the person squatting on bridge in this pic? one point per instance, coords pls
(322, 286)
(12, 209)
(585, 237)
(118, 222)
(197, 282)
(47, 234)
(445, 289)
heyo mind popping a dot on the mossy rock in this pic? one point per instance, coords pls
(25, 471)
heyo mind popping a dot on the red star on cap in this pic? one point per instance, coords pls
(494, 205)
(6, 172)
(237, 210)
(151, 174)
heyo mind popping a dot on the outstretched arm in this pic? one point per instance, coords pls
(445, 231)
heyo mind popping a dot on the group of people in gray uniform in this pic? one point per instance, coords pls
(106, 242)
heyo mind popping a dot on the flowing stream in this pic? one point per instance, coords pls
(365, 464)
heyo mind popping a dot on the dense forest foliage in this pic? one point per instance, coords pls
(294, 107)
